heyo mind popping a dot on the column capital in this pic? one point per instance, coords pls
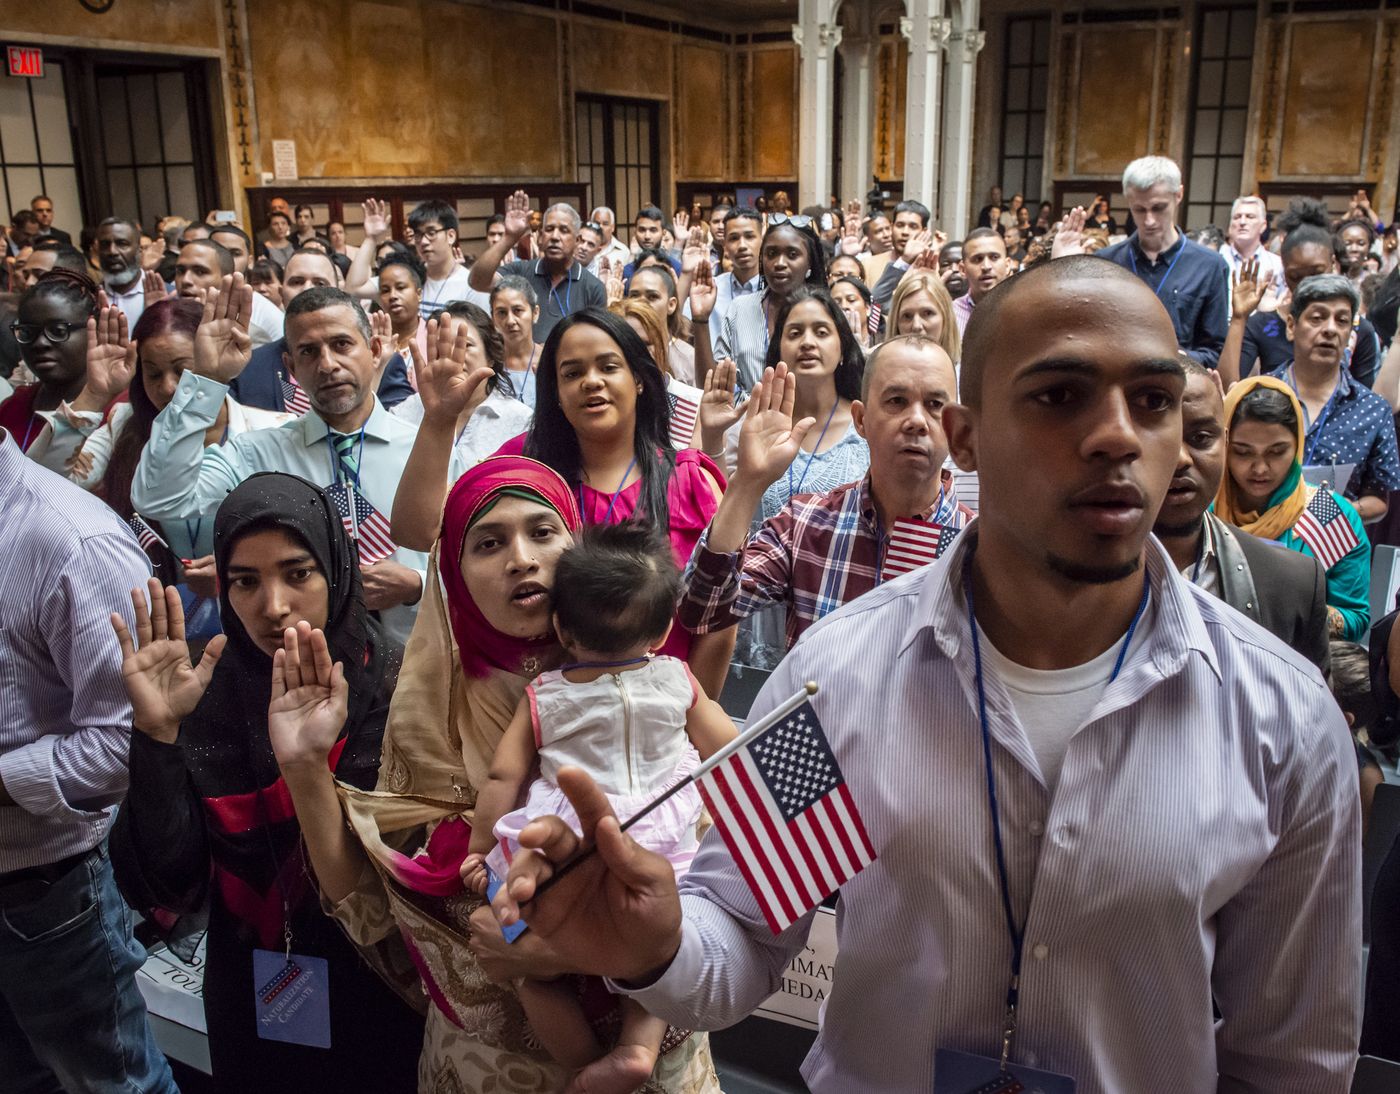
(940, 29)
(972, 42)
(828, 37)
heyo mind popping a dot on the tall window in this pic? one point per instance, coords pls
(1219, 114)
(36, 147)
(1024, 82)
(619, 154)
(147, 144)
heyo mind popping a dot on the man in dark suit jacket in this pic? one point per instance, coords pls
(1283, 591)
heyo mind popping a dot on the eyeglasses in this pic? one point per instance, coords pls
(796, 222)
(55, 333)
(430, 234)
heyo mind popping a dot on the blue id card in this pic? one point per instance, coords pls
(963, 1073)
(493, 886)
(293, 999)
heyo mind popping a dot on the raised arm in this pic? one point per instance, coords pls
(358, 279)
(1247, 289)
(448, 390)
(483, 272)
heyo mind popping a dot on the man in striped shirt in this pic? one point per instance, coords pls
(71, 1015)
(1072, 764)
(822, 550)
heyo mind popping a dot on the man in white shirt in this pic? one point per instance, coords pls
(1068, 753)
(202, 266)
(743, 230)
(346, 442)
(434, 225)
(1249, 216)
(119, 255)
(613, 249)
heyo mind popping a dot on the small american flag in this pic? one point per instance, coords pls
(683, 414)
(788, 818)
(1325, 528)
(145, 534)
(364, 524)
(872, 323)
(913, 543)
(295, 397)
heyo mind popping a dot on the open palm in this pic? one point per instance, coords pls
(376, 219)
(111, 357)
(517, 214)
(310, 699)
(222, 345)
(447, 384)
(162, 684)
(718, 408)
(769, 440)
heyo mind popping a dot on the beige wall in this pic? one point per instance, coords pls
(167, 25)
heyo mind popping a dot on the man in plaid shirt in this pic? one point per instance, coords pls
(822, 550)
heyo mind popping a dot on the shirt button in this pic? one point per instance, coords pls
(1041, 952)
(1036, 828)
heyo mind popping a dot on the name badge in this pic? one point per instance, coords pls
(963, 1073)
(292, 998)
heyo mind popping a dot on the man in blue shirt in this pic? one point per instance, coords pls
(1191, 281)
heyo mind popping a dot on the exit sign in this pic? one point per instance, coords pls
(25, 60)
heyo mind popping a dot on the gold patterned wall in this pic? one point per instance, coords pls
(157, 24)
(772, 109)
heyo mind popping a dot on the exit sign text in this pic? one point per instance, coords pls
(25, 60)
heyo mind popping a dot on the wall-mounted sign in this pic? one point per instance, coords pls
(25, 60)
(284, 159)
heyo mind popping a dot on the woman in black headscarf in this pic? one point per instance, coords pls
(208, 817)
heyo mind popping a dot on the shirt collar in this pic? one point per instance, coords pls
(573, 273)
(1177, 629)
(871, 515)
(1166, 256)
(135, 290)
(377, 428)
(13, 463)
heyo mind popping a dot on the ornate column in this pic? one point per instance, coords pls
(817, 35)
(964, 44)
(927, 30)
(860, 51)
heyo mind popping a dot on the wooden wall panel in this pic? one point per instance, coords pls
(773, 109)
(621, 60)
(1328, 87)
(1113, 108)
(161, 24)
(700, 111)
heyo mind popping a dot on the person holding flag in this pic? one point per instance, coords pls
(1101, 803)
(823, 550)
(1264, 493)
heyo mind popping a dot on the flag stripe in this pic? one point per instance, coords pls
(845, 810)
(800, 883)
(847, 863)
(739, 836)
(808, 825)
(769, 853)
(780, 909)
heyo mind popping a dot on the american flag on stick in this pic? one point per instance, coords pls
(683, 414)
(364, 524)
(295, 397)
(779, 800)
(913, 543)
(146, 535)
(1325, 528)
(872, 322)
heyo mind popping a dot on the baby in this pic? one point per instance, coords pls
(638, 724)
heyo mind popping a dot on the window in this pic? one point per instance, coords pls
(1219, 114)
(1024, 84)
(619, 153)
(36, 147)
(147, 144)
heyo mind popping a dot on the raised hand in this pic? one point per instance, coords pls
(1069, 236)
(517, 214)
(918, 243)
(680, 224)
(1247, 289)
(614, 284)
(617, 914)
(446, 383)
(696, 253)
(309, 699)
(152, 288)
(853, 211)
(111, 357)
(703, 293)
(222, 345)
(718, 408)
(164, 688)
(153, 253)
(851, 243)
(769, 440)
(382, 327)
(376, 218)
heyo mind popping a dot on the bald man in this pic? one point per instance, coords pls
(823, 550)
(1100, 798)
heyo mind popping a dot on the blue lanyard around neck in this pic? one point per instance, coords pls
(813, 454)
(568, 294)
(1312, 436)
(1017, 934)
(1163, 283)
(525, 382)
(613, 500)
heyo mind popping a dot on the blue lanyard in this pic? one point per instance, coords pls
(526, 381)
(1313, 437)
(572, 665)
(34, 418)
(613, 501)
(813, 454)
(1017, 934)
(568, 295)
(337, 469)
(1163, 283)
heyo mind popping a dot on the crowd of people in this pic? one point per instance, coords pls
(350, 591)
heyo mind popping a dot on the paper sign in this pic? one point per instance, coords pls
(173, 989)
(807, 979)
(292, 998)
(284, 159)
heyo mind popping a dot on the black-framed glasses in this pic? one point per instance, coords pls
(430, 234)
(797, 221)
(55, 332)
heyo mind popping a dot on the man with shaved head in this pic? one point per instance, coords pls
(1101, 800)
